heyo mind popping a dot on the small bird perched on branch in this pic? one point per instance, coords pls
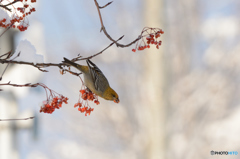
(95, 80)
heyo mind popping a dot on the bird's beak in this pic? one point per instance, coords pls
(116, 100)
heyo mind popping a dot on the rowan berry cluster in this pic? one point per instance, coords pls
(54, 100)
(19, 14)
(149, 36)
(49, 106)
(85, 96)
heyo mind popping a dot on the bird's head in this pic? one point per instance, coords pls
(110, 94)
(115, 98)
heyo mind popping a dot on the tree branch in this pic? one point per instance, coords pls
(37, 65)
(18, 85)
(17, 119)
(5, 6)
(6, 29)
(105, 31)
(60, 65)
(105, 5)
(102, 50)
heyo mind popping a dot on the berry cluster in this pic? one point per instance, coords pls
(19, 15)
(54, 100)
(86, 95)
(49, 106)
(149, 36)
(2, 22)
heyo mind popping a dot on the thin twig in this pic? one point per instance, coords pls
(60, 65)
(100, 16)
(8, 65)
(12, 3)
(4, 72)
(19, 85)
(6, 54)
(105, 5)
(5, 6)
(105, 31)
(71, 72)
(77, 58)
(6, 29)
(102, 50)
(37, 65)
(17, 119)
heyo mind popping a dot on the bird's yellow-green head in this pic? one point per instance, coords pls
(110, 94)
(115, 97)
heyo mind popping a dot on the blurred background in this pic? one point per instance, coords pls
(178, 102)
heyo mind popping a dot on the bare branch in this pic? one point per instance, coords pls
(102, 50)
(71, 72)
(37, 65)
(18, 85)
(5, 6)
(6, 29)
(8, 54)
(42, 69)
(105, 5)
(105, 31)
(60, 65)
(17, 119)
(12, 3)
(4, 72)
(77, 58)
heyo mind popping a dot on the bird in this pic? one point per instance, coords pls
(95, 80)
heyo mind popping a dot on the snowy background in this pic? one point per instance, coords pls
(199, 99)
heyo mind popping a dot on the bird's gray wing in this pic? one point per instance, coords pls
(100, 81)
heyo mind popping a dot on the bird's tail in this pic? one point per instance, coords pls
(66, 61)
(82, 68)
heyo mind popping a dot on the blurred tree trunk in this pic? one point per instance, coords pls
(154, 80)
(8, 105)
